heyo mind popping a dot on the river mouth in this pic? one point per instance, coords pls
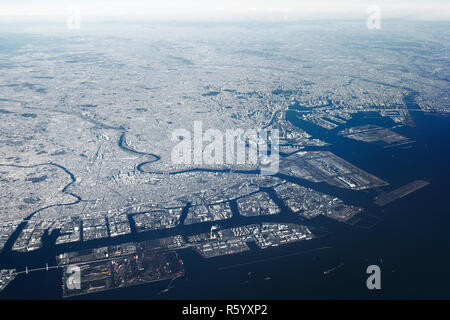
(389, 236)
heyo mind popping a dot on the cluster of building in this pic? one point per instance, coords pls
(157, 219)
(310, 203)
(70, 229)
(206, 213)
(118, 225)
(95, 228)
(6, 276)
(6, 230)
(257, 204)
(222, 247)
(275, 234)
(292, 135)
(304, 201)
(31, 236)
(234, 240)
(321, 121)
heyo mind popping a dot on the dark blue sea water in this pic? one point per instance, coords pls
(410, 242)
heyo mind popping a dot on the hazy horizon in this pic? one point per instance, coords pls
(233, 10)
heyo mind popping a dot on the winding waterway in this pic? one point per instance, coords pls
(409, 239)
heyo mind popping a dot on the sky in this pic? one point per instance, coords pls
(222, 10)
